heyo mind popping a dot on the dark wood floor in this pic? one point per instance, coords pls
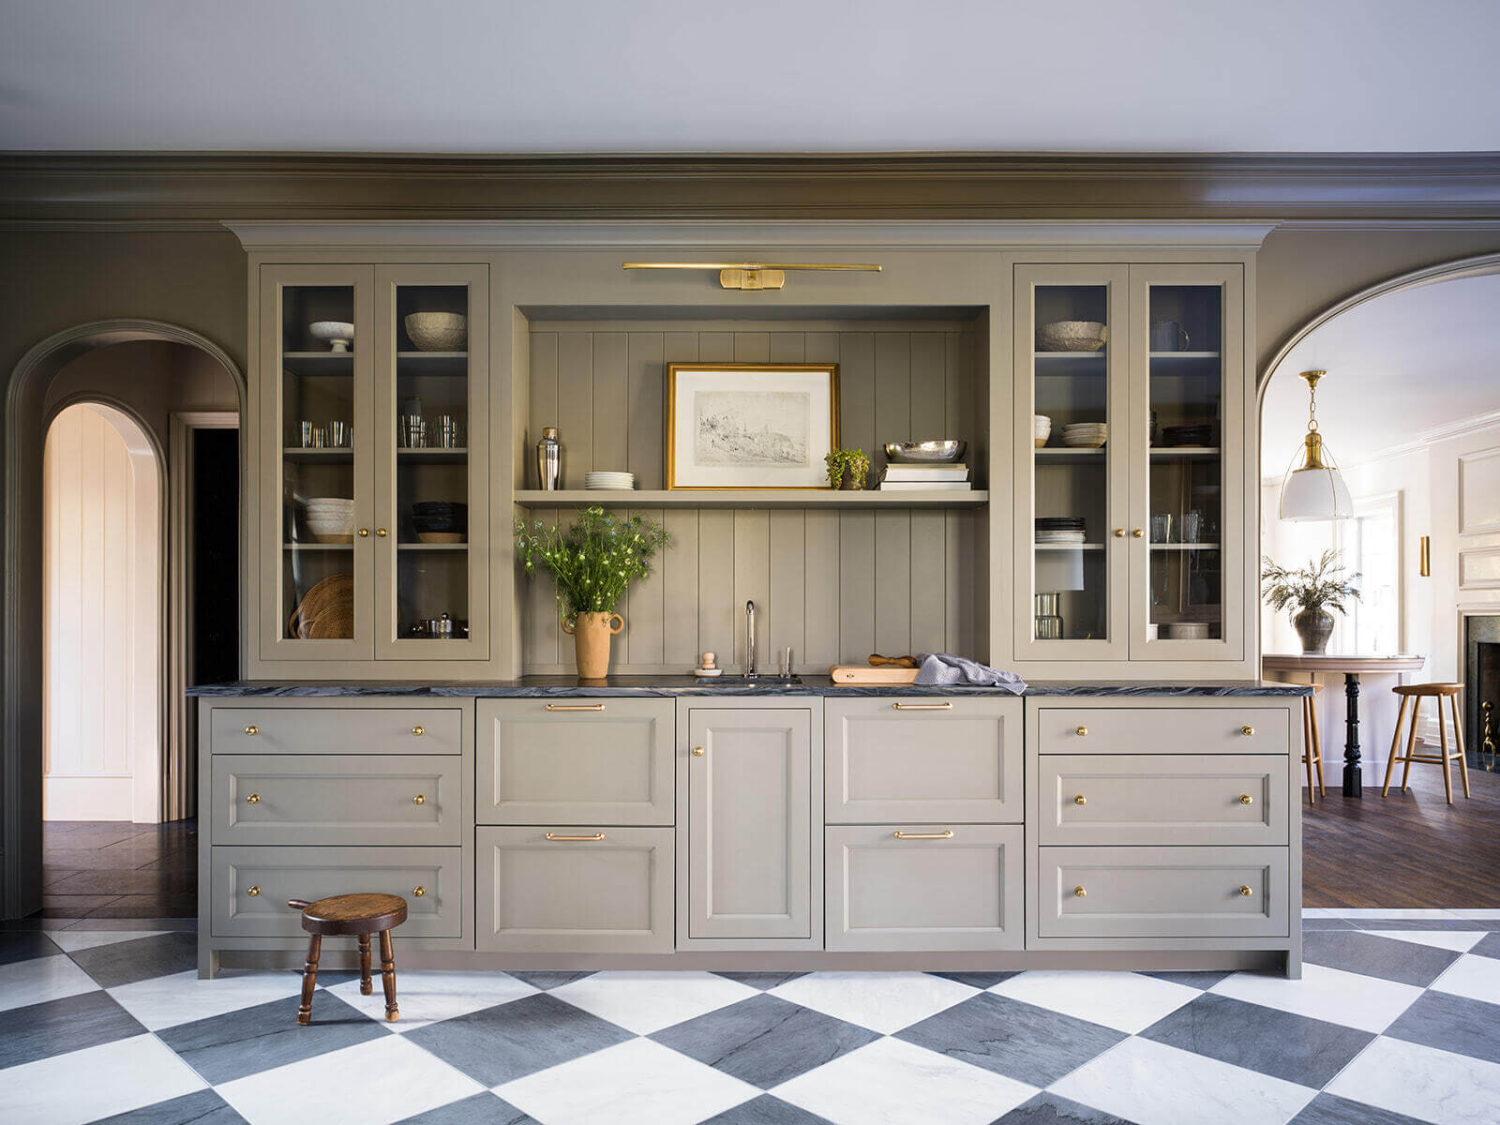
(114, 869)
(1409, 850)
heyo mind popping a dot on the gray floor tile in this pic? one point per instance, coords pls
(546, 981)
(511, 1040)
(481, 1109)
(1451, 1023)
(1283, 1045)
(147, 906)
(976, 980)
(1049, 1109)
(183, 924)
(1017, 1040)
(251, 1040)
(1358, 952)
(202, 1108)
(1326, 1109)
(764, 1040)
(1328, 924)
(23, 945)
(1489, 946)
(766, 1110)
(125, 962)
(1467, 925)
(59, 1026)
(763, 981)
(1201, 980)
(101, 882)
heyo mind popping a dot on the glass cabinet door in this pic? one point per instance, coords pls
(1072, 500)
(1186, 419)
(432, 511)
(316, 571)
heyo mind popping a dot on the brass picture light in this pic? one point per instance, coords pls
(752, 275)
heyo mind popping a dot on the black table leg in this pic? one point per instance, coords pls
(1354, 778)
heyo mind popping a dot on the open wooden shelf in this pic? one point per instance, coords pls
(751, 498)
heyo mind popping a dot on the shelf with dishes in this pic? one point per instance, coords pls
(868, 499)
(1185, 547)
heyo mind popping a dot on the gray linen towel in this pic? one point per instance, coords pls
(945, 668)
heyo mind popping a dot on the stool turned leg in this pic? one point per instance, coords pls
(310, 978)
(365, 987)
(1458, 737)
(1390, 763)
(388, 976)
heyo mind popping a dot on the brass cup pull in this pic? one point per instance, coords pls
(1081, 731)
(253, 799)
(1080, 799)
(419, 731)
(1079, 892)
(1247, 731)
(1137, 534)
(946, 705)
(364, 533)
(1246, 799)
(561, 839)
(575, 707)
(419, 892)
(1119, 533)
(381, 532)
(419, 799)
(699, 751)
(1245, 890)
(254, 891)
(945, 834)
(252, 730)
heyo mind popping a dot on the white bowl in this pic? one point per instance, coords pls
(1071, 336)
(337, 334)
(438, 331)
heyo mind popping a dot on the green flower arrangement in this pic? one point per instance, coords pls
(849, 465)
(594, 561)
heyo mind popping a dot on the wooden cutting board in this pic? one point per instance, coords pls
(864, 674)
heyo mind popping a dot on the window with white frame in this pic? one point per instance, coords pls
(1370, 544)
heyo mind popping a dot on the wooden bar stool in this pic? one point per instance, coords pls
(1415, 693)
(358, 916)
(1313, 741)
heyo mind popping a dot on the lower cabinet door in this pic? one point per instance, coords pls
(251, 886)
(1162, 892)
(926, 887)
(575, 890)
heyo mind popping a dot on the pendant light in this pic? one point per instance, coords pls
(1316, 490)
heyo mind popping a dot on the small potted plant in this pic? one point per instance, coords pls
(591, 564)
(847, 468)
(1314, 589)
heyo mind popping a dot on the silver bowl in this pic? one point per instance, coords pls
(916, 452)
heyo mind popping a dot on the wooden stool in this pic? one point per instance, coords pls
(1314, 743)
(361, 916)
(1415, 693)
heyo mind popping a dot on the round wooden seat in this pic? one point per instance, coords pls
(1425, 690)
(341, 915)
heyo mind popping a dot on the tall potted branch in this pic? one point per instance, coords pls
(1314, 589)
(591, 564)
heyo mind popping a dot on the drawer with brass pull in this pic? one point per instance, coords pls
(251, 886)
(1179, 892)
(336, 730)
(337, 799)
(1163, 799)
(1163, 730)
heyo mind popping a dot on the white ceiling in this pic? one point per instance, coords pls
(1398, 365)
(760, 75)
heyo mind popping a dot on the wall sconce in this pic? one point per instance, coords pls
(752, 275)
(1425, 563)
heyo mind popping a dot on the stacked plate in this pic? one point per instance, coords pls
(1059, 529)
(1199, 434)
(440, 521)
(604, 480)
(330, 519)
(1085, 435)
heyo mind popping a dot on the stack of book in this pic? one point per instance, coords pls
(943, 476)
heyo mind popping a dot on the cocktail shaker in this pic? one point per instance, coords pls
(549, 460)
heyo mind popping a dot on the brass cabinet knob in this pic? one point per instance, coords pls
(254, 891)
(1137, 534)
(253, 799)
(419, 892)
(364, 533)
(1079, 892)
(1119, 533)
(1245, 890)
(1080, 799)
(1247, 731)
(1246, 799)
(381, 532)
(252, 729)
(419, 799)
(1081, 731)
(419, 731)
(699, 751)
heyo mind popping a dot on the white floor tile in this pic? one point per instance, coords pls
(644, 1002)
(95, 1082)
(883, 1002)
(1422, 1082)
(1141, 1080)
(1460, 941)
(1368, 1003)
(1476, 915)
(182, 997)
(426, 997)
(1478, 978)
(1380, 912)
(1327, 912)
(71, 941)
(1124, 1001)
(375, 1082)
(892, 1082)
(41, 979)
(638, 1082)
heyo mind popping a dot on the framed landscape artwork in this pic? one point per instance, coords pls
(751, 425)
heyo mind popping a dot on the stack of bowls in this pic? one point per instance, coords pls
(329, 519)
(440, 521)
(1041, 429)
(1060, 530)
(1085, 435)
(609, 480)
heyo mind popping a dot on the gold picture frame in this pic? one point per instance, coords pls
(770, 459)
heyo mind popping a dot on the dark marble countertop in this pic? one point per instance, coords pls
(563, 687)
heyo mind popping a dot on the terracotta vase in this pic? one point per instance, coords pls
(591, 633)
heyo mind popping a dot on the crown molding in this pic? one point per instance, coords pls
(178, 189)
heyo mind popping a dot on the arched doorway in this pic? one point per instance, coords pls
(38, 388)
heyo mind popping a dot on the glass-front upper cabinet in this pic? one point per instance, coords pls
(1072, 505)
(1187, 452)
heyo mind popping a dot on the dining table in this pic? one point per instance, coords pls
(1352, 666)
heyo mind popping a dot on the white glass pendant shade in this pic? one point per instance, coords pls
(1315, 489)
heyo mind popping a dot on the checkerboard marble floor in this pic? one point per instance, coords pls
(1397, 1020)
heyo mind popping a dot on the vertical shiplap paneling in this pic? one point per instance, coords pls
(716, 347)
(646, 624)
(929, 581)
(679, 570)
(787, 565)
(112, 497)
(541, 409)
(752, 347)
(678, 347)
(647, 409)
(857, 391)
(575, 404)
(752, 582)
(820, 589)
(892, 395)
(928, 386)
(790, 347)
(893, 583)
(716, 624)
(856, 586)
(539, 629)
(611, 380)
